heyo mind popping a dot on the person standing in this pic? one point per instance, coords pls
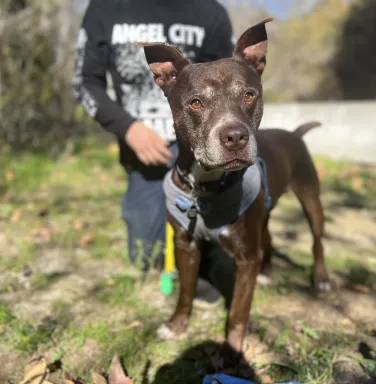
(139, 115)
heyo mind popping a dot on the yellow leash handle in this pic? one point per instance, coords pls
(167, 278)
(170, 249)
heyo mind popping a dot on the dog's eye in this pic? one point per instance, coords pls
(196, 104)
(248, 97)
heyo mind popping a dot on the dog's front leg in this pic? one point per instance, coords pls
(187, 256)
(243, 241)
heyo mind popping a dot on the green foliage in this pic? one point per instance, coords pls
(27, 337)
(116, 291)
(315, 52)
(308, 331)
(23, 336)
(36, 103)
(5, 314)
(354, 62)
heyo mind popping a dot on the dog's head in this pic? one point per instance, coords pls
(217, 106)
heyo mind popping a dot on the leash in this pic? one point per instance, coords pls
(166, 283)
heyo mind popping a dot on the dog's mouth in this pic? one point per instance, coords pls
(236, 164)
(229, 166)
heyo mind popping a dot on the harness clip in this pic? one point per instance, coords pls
(192, 212)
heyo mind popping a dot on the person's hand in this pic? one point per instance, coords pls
(148, 145)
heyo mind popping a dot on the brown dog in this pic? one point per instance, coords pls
(217, 109)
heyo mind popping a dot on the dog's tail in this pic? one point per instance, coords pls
(304, 128)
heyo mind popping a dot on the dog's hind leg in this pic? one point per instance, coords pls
(306, 186)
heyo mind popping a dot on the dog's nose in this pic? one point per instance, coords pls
(234, 138)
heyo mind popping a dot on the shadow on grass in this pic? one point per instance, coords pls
(206, 358)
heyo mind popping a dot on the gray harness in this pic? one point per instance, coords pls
(206, 217)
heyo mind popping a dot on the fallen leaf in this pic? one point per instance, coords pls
(67, 378)
(17, 215)
(117, 374)
(86, 240)
(266, 379)
(134, 324)
(9, 175)
(98, 379)
(42, 235)
(36, 369)
(79, 225)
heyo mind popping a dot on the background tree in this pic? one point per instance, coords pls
(36, 106)
(354, 62)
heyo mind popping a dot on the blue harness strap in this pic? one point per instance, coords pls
(264, 179)
(205, 217)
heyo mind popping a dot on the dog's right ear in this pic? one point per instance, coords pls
(252, 46)
(165, 61)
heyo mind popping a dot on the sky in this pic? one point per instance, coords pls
(278, 8)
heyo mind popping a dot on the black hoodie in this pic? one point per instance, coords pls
(106, 46)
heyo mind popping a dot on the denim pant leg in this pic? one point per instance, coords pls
(144, 211)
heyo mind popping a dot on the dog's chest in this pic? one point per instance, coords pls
(216, 212)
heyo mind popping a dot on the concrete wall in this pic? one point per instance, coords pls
(348, 129)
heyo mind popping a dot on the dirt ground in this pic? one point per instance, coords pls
(67, 291)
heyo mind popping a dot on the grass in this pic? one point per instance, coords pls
(22, 336)
(356, 183)
(27, 337)
(5, 314)
(115, 290)
(113, 311)
(26, 254)
(312, 354)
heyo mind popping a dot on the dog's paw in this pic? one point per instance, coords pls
(322, 286)
(264, 280)
(165, 333)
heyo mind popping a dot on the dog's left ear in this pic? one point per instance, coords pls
(252, 46)
(165, 61)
